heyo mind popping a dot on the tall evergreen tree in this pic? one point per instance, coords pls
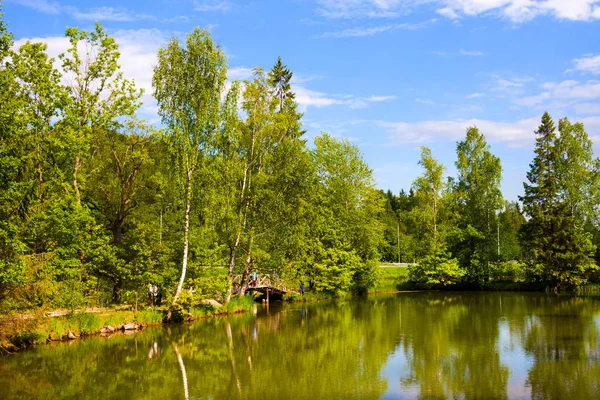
(279, 78)
(557, 244)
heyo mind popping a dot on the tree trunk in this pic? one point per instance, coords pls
(75, 182)
(186, 229)
(247, 268)
(242, 216)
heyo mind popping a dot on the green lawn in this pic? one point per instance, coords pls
(391, 278)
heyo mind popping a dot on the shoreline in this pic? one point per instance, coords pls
(24, 331)
(21, 332)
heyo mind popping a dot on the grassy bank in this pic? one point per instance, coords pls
(392, 278)
(21, 331)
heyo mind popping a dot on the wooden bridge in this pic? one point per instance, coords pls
(269, 286)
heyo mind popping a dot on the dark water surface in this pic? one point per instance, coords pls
(405, 346)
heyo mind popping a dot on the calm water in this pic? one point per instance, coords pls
(405, 346)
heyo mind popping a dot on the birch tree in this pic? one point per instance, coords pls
(188, 82)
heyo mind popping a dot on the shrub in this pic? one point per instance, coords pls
(334, 273)
(437, 270)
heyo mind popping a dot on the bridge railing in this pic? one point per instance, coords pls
(262, 280)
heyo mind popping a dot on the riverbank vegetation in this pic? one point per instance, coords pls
(96, 204)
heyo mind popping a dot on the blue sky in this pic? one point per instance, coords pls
(390, 75)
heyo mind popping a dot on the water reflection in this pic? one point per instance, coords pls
(419, 345)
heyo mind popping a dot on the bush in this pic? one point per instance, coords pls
(365, 277)
(437, 270)
(333, 275)
(510, 271)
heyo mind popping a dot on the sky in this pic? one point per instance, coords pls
(388, 75)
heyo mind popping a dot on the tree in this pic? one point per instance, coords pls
(345, 205)
(119, 177)
(429, 190)
(431, 193)
(510, 220)
(188, 82)
(12, 156)
(263, 164)
(479, 197)
(279, 79)
(100, 98)
(559, 178)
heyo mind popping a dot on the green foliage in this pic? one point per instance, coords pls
(96, 204)
(210, 285)
(478, 197)
(511, 271)
(365, 276)
(335, 273)
(562, 185)
(437, 270)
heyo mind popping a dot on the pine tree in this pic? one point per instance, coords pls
(554, 237)
(279, 78)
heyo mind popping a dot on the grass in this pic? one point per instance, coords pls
(236, 305)
(391, 279)
(41, 329)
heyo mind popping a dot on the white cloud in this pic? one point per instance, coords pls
(363, 31)
(95, 14)
(517, 11)
(461, 52)
(377, 99)
(358, 32)
(475, 95)
(589, 63)
(310, 98)
(56, 45)
(212, 5)
(566, 90)
(508, 86)
(240, 73)
(471, 53)
(519, 133)
(306, 98)
(448, 13)
(524, 10)
(587, 108)
(42, 6)
(107, 14)
(360, 8)
(425, 102)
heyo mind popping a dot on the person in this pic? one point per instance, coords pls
(302, 288)
(159, 294)
(253, 278)
(152, 293)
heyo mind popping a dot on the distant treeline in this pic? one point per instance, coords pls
(460, 230)
(95, 203)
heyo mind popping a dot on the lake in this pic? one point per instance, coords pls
(425, 345)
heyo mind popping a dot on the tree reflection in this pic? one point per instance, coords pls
(562, 337)
(186, 395)
(451, 346)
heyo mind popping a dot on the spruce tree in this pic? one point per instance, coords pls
(279, 78)
(559, 249)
